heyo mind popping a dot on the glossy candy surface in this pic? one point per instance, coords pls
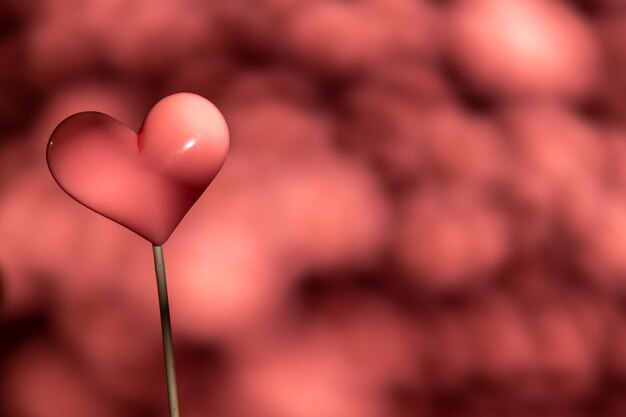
(145, 181)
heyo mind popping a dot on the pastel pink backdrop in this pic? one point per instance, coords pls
(423, 211)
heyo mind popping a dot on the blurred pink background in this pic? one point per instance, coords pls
(423, 212)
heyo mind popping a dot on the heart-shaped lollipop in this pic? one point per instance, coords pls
(145, 181)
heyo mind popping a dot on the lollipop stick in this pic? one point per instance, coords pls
(166, 330)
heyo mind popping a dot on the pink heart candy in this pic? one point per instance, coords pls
(145, 181)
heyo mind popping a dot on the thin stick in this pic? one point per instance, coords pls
(166, 330)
